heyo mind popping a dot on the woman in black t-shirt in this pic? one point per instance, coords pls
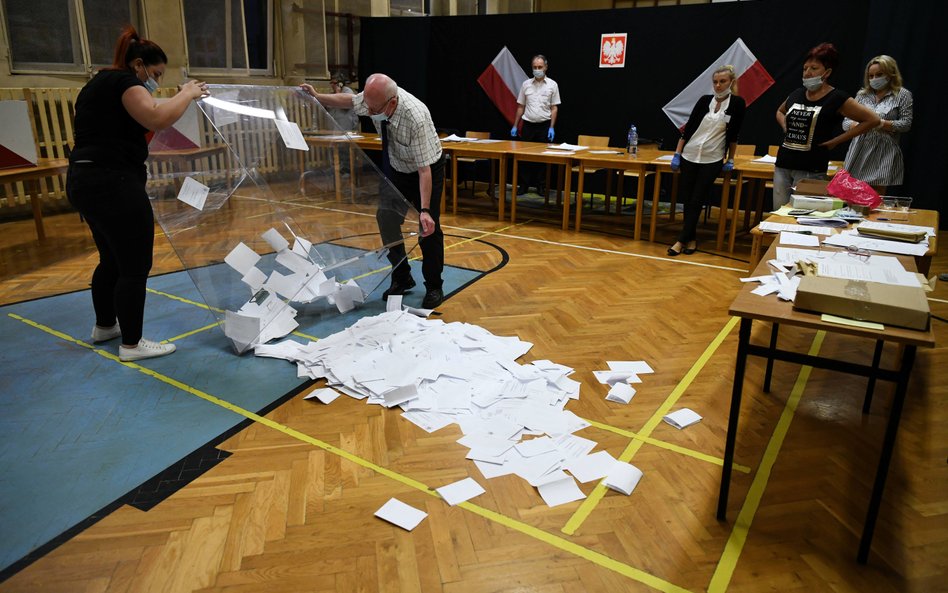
(812, 118)
(106, 184)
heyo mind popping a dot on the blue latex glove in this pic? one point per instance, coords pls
(676, 162)
(513, 132)
(728, 166)
(549, 135)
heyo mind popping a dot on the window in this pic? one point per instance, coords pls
(228, 35)
(56, 42)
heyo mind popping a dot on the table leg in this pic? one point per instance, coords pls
(502, 194)
(566, 201)
(580, 177)
(337, 171)
(454, 183)
(736, 391)
(876, 359)
(722, 211)
(639, 206)
(888, 443)
(36, 201)
(352, 171)
(736, 209)
(656, 194)
(513, 192)
(770, 357)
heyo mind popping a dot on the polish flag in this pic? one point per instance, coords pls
(752, 81)
(182, 135)
(17, 148)
(502, 81)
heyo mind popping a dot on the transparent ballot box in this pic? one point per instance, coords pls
(274, 212)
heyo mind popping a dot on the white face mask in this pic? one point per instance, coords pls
(723, 94)
(538, 73)
(379, 117)
(814, 83)
(879, 82)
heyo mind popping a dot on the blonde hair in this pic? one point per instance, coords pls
(729, 69)
(889, 68)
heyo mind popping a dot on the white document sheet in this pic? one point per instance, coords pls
(394, 303)
(789, 238)
(536, 446)
(623, 477)
(254, 278)
(275, 240)
(566, 146)
(591, 467)
(639, 367)
(398, 513)
(560, 491)
(837, 268)
(766, 159)
(242, 258)
(428, 421)
(324, 395)
(193, 193)
(899, 247)
(621, 393)
(458, 492)
(682, 418)
(291, 134)
(777, 227)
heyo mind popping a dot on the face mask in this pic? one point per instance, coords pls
(879, 82)
(151, 84)
(813, 84)
(379, 117)
(723, 94)
(538, 73)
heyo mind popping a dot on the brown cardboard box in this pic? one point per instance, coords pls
(888, 304)
(812, 187)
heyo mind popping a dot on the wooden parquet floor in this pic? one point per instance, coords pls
(287, 512)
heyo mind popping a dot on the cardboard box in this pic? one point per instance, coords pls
(812, 187)
(902, 306)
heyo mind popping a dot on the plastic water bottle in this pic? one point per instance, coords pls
(632, 141)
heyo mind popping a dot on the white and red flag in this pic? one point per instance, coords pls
(17, 148)
(502, 81)
(752, 81)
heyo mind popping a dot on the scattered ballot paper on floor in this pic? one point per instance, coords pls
(398, 513)
(621, 393)
(460, 491)
(682, 418)
(623, 477)
(324, 395)
(560, 491)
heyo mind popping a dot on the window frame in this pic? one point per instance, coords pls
(230, 72)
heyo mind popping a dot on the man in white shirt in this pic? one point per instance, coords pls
(537, 106)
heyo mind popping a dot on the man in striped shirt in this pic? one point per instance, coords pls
(412, 161)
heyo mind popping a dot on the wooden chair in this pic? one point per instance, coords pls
(472, 162)
(593, 142)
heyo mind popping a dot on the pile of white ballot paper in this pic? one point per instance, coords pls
(444, 373)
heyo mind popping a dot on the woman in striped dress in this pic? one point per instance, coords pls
(875, 157)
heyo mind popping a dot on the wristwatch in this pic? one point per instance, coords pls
(425, 210)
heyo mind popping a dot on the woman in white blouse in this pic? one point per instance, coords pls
(875, 157)
(707, 146)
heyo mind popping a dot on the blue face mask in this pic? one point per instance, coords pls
(538, 73)
(152, 85)
(879, 82)
(379, 117)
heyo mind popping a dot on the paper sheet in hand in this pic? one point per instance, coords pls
(193, 193)
(623, 477)
(458, 492)
(682, 418)
(398, 513)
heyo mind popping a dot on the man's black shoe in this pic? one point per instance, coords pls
(398, 288)
(433, 298)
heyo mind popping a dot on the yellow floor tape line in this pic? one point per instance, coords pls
(597, 558)
(599, 491)
(735, 542)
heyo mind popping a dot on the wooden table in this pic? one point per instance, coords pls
(534, 152)
(750, 307)
(481, 150)
(913, 217)
(745, 169)
(623, 162)
(335, 142)
(30, 176)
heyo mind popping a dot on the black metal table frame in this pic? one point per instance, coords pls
(873, 372)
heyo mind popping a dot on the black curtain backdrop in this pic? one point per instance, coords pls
(438, 59)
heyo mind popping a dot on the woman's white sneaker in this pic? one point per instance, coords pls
(145, 349)
(104, 334)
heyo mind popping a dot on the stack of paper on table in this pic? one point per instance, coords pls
(566, 146)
